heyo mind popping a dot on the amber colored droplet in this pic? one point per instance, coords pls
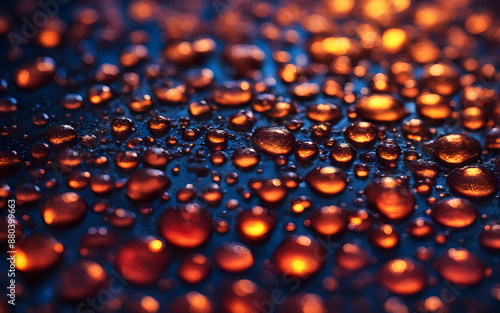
(388, 150)
(411, 155)
(216, 139)
(172, 93)
(326, 180)
(187, 226)
(324, 112)
(361, 134)
(441, 78)
(273, 140)
(306, 151)
(243, 296)
(300, 256)
(99, 94)
(433, 107)
(192, 302)
(122, 218)
(454, 212)
(242, 120)
(489, 238)
(380, 108)
(432, 305)
(456, 150)
(212, 195)
(384, 237)
(403, 276)
(420, 228)
(187, 194)
(271, 191)
(473, 118)
(234, 257)
(332, 88)
(8, 105)
(303, 303)
(102, 184)
(361, 170)
(134, 55)
(199, 78)
(473, 182)
(256, 225)
(64, 210)
(127, 160)
(460, 267)
(194, 268)
(492, 140)
(9, 159)
(352, 257)
(329, 221)
(391, 197)
(122, 126)
(200, 109)
(140, 102)
(218, 158)
(80, 280)
(416, 129)
(36, 74)
(424, 169)
(245, 158)
(478, 96)
(155, 157)
(159, 125)
(342, 154)
(61, 136)
(37, 252)
(232, 93)
(141, 261)
(146, 184)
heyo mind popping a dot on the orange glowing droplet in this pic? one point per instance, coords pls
(141, 260)
(391, 197)
(188, 226)
(37, 252)
(459, 266)
(273, 140)
(327, 180)
(299, 256)
(256, 225)
(454, 212)
(234, 258)
(381, 108)
(403, 276)
(329, 221)
(473, 182)
(66, 209)
(194, 268)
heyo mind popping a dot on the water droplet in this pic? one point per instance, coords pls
(473, 182)
(454, 212)
(63, 210)
(299, 256)
(142, 260)
(456, 150)
(273, 140)
(391, 197)
(146, 184)
(459, 266)
(187, 226)
(403, 276)
(327, 180)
